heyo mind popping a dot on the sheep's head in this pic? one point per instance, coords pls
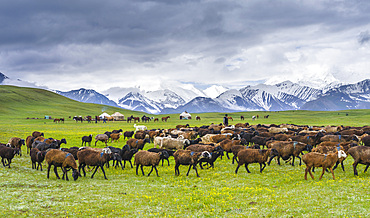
(164, 155)
(205, 154)
(107, 151)
(75, 174)
(341, 153)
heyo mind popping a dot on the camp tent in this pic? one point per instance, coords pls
(104, 115)
(118, 116)
(185, 116)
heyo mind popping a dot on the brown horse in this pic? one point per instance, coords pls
(56, 120)
(197, 118)
(165, 118)
(156, 120)
(230, 118)
(136, 119)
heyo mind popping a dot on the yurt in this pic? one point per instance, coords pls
(104, 115)
(118, 116)
(185, 116)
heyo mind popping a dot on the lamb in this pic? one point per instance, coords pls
(277, 130)
(157, 150)
(174, 144)
(86, 139)
(140, 127)
(108, 134)
(115, 137)
(248, 156)
(102, 138)
(159, 140)
(8, 154)
(91, 157)
(191, 158)
(37, 157)
(64, 160)
(137, 143)
(147, 158)
(117, 131)
(314, 159)
(212, 159)
(43, 146)
(127, 154)
(360, 155)
(128, 134)
(16, 142)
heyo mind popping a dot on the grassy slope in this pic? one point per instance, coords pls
(280, 191)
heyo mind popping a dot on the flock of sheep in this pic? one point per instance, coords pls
(324, 147)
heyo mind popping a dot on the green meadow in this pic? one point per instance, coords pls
(280, 191)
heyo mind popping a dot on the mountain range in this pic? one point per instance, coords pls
(269, 97)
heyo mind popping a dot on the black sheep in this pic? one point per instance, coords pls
(8, 154)
(157, 150)
(86, 139)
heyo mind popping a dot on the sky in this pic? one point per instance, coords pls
(96, 44)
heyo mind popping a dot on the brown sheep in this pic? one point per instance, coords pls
(115, 137)
(36, 134)
(8, 154)
(137, 143)
(360, 155)
(90, 157)
(147, 158)
(289, 149)
(101, 137)
(248, 156)
(29, 141)
(16, 142)
(236, 148)
(61, 159)
(314, 159)
(227, 144)
(191, 158)
(37, 157)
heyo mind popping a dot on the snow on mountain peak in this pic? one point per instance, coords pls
(214, 91)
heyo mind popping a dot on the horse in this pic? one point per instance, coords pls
(110, 119)
(76, 118)
(253, 117)
(130, 118)
(136, 119)
(230, 118)
(56, 120)
(89, 119)
(267, 116)
(197, 118)
(61, 120)
(165, 118)
(156, 120)
(145, 119)
(241, 117)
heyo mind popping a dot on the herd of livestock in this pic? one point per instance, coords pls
(324, 147)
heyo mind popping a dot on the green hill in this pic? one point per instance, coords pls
(31, 102)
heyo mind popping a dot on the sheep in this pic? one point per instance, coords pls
(360, 155)
(287, 149)
(36, 134)
(16, 142)
(37, 157)
(86, 139)
(117, 131)
(72, 150)
(147, 158)
(139, 127)
(137, 143)
(174, 144)
(248, 156)
(115, 137)
(91, 157)
(236, 148)
(64, 160)
(29, 141)
(42, 146)
(215, 138)
(127, 153)
(212, 159)
(8, 154)
(338, 138)
(108, 134)
(261, 140)
(101, 137)
(140, 135)
(128, 134)
(227, 144)
(315, 159)
(158, 140)
(277, 130)
(157, 150)
(191, 158)
(366, 140)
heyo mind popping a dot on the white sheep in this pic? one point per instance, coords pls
(140, 127)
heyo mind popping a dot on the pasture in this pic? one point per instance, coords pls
(280, 191)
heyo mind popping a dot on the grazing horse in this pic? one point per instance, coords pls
(241, 117)
(136, 119)
(230, 118)
(129, 119)
(197, 118)
(267, 116)
(145, 119)
(56, 120)
(89, 119)
(156, 120)
(110, 119)
(76, 118)
(165, 118)
(253, 117)
(61, 120)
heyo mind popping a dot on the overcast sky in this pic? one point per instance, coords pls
(100, 44)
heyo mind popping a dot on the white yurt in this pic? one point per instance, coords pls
(185, 116)
(104, 115)
(118, 116)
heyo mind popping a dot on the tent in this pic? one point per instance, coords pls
(118, 116)
(104, 115)
(185, 116)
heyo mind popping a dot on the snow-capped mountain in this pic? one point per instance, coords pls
(215, 90)
(87, 96)
(2, 77)
(138, 102)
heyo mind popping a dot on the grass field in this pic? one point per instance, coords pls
(280, 191)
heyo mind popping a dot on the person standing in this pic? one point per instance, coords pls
(226, 120)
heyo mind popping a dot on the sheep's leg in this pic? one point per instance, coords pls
(177, 171)
(151, 171)
(237, 168)
(187, 174)
(246, 167)
(9, 162)
(102, 169)
(33, 164)
(367, 166)
(278, 160)
(262, 168)
(200, 165)
(227, 155)
(65, 173)
(313, 169)
(168, 162)
(309, 170)
(300, 160)
(56, 172)
(130, 164)
(195, 168)
(156, 170)
(293, 160)
(332, 172)
(96, 169)
(323, 171)
(48, 171)
(142, 169)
